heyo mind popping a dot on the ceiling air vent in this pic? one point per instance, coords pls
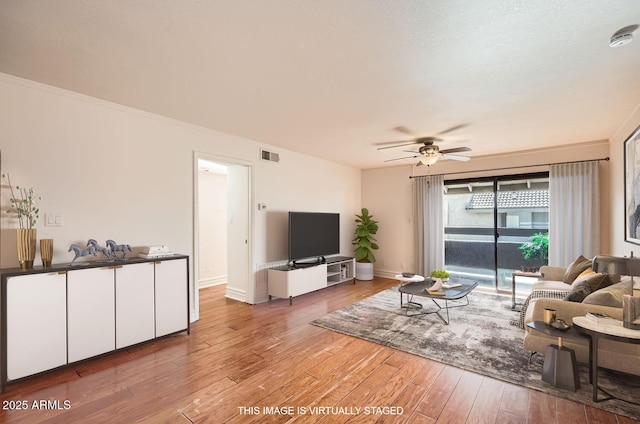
(270, 156)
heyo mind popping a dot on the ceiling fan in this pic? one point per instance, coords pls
(429, 152)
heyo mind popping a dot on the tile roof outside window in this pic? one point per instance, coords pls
(511, 199)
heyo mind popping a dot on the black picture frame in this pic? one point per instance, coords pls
(632, 187)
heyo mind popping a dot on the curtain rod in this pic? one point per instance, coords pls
(512, 167)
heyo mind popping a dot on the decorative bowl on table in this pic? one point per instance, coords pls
(560, 325)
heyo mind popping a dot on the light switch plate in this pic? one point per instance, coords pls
(53, 220)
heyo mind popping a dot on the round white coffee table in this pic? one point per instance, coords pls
(598, 331)
(406, 280)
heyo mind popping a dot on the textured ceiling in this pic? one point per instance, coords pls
(333, 78)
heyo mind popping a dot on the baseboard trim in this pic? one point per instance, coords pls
(386, 274)
(235, 294)
(210, 282)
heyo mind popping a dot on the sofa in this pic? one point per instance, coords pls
(555, 289)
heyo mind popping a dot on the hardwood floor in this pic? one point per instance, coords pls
(241, 359)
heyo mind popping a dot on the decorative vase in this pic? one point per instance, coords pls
(46, 252)
(26, 244)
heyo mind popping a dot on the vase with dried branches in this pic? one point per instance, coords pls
(23, 204)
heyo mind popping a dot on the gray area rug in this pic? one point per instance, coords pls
(479, 338)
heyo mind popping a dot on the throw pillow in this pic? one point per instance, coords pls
(609, 296)
(576, 268)
(586, 272)
(578, 291)
(595, 280)
(612, 279)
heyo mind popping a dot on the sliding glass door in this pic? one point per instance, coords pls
(469, 236)
(522, 212)
(487, 222)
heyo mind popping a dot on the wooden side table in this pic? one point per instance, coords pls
(604, 331)
(513, 283)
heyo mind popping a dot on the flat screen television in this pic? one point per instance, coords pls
(313, 235)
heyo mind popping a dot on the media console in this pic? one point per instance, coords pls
(291, 281)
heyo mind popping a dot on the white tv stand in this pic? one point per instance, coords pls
(290, 281)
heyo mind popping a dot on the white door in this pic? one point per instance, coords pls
(135, 305)
(238, 284)
(36, 324)
(90, 310)
(172, 307)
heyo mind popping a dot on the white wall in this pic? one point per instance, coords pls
(311, 185)
(212, 204)
(120, 173)
(616, 187)
(386, 192)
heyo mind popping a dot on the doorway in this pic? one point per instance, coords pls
(222, 217)
(487, 220)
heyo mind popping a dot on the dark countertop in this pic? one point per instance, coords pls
(67, 266)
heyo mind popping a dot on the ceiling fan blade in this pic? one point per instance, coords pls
(406, 143)
(407, 157)
(388, 143)
(455, 150)
(405, 130)
(456, 157)
(456, 127)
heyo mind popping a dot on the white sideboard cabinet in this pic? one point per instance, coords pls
(290, 281)
(52, 317)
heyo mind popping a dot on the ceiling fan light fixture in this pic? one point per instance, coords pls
(429, 160)
(429, 152)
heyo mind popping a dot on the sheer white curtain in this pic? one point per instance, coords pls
(574, 212)
(428, 198)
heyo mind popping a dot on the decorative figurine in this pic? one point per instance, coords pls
(104, 250)
(79, 251)
(118, 248)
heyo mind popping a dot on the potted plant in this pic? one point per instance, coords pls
(438, 276)
(535, 250)
(22, 203)
(365, 243)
